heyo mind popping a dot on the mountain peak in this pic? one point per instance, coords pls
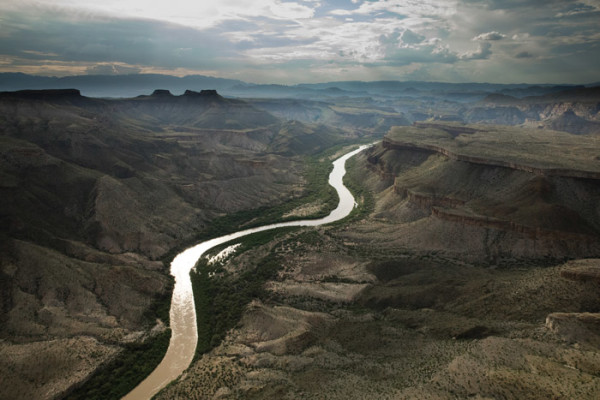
(203, 93)
(161, 93)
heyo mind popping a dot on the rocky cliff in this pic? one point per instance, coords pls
(431, 179)
(429, 148)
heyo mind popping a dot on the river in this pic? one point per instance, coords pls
(184, 334)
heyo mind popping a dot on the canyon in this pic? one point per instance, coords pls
(96, 194)
(469, 268)
(457, 279)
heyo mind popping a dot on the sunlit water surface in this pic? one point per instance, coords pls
(184, 334)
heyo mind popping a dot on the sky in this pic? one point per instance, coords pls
(307, 41)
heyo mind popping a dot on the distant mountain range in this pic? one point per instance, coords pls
(353, 105)
(115, 85)
(137, 84)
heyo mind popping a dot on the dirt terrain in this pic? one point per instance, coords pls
(402, 303)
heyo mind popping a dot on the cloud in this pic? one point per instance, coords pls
(483, 52)
(490, 36)
(411, 37)
(406, 8)
(395, 51)
(112, 69)
(579, 8)
(41, 54)
(118, 42)
(520, 36)
(196, 14)
(306, 40)
(516, 4)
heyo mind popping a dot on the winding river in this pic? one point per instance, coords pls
(184, 334)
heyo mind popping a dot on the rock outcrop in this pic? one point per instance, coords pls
(583, 271)
(582, 328)
(572, 110)
(510, 207)
(161, 93)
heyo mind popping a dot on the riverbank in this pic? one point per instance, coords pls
(183, 317)
(353, 314)
(131, 357)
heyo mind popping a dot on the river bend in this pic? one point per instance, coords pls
(184, 334)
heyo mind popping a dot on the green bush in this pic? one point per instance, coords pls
(221, 299)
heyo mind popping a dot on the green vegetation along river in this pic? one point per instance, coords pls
(184, 336)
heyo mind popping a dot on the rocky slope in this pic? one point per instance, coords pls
(521, 205)
(94, 192)
(453, 284)
(410, 324)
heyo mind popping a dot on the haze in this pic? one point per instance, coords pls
(288, 42)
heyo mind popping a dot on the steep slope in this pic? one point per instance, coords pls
(509, 192)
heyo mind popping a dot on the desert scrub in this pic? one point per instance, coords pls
(136, 361)
(317, 190)
(220, 298)
(160, 308)
(119, 376)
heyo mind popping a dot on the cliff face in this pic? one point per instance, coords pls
(428, 148)
(548, 211)
(502, 115)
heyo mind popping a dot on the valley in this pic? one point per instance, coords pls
(468, 269)
(299, 199)
(402, 302)
(94, 201)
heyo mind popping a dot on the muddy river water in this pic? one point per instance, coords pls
(184, 335)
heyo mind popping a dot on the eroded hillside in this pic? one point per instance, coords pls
(95, 193)
(529, 193)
